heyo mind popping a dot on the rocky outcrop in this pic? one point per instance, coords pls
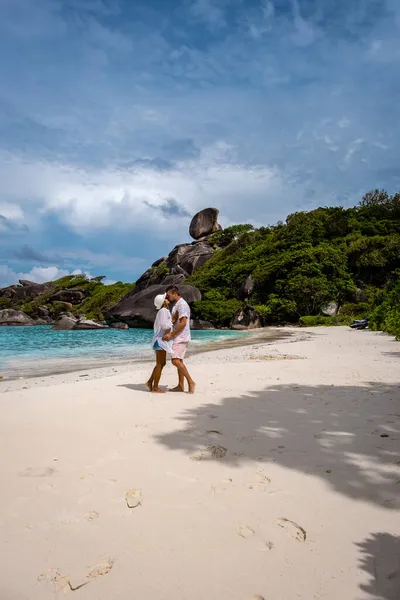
(89, 324)
(137, 309)
(182, 261)
(65, 323)
(204, 223)
(246, 289)
(26, 290)
(360, 296)
(246, 318)
(119, 325)
(69, 322)
(72, 296)
(189, 257)
(11, 317)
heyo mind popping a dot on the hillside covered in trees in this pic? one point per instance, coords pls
(344, 257)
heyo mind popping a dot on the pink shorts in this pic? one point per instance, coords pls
(179, 350)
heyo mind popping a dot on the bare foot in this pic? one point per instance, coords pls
(149, 385)
(157, 391)
(192, 387)
(178, 388)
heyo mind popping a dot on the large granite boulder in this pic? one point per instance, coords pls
(85, 324)
(181, 262)
(137, 309)
(26, 289)
(359, 295)
(118, 325)
(204, 223)
(246, 289)
(69, 322)
(184, 259)
(330, 309)
(246, 318)
(65, 323)
(189, 257)
(11, 317)
(72, 296)
(199, 325)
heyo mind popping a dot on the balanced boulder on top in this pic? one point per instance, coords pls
(204, 223)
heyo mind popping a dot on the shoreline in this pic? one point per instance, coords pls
(116, 363)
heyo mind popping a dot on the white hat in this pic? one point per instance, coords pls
(159, 301)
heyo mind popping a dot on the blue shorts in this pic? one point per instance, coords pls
(156, 346)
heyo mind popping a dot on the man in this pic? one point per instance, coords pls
(180, 336)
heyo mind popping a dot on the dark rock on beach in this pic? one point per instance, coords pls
(69, 322)
(119, 326)
(246, 318)
(10, 317)
(246, 289)
(73, 296)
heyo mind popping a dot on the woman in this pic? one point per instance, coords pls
(162, 326)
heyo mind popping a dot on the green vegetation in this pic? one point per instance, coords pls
(320, 320)
(160, 271)
(327, 255)
(216, 309)
(386, 316)
(98, 298)
(102, 298)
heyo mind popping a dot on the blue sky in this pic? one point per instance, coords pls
(119, 119)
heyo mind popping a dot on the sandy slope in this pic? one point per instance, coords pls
(304, 504)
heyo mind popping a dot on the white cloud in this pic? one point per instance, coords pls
(88, 199)
(11, 211)
(36, 274)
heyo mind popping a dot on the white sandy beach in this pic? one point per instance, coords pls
(279, 477)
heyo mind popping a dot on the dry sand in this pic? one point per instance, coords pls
(280, 477)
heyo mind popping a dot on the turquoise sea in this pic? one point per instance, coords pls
(27, 351)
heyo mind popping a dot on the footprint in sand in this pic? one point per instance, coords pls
(245, 531)
(101, 569)
(211, 452)
(295, 530)
(218, 488)
(65, 582)
(133, 498)
(91, 515)
(263, 481)
(29, 472)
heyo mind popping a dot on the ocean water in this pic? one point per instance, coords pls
(27, 351)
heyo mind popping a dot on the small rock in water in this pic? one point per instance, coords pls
(384, 435)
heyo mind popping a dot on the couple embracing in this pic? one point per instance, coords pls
(171, 336)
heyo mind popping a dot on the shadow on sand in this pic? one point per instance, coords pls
(380, 558)
(348, 436)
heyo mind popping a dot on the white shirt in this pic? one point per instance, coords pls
(183, 310)
(162, 325)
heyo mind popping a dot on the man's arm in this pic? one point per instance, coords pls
(181, 325)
